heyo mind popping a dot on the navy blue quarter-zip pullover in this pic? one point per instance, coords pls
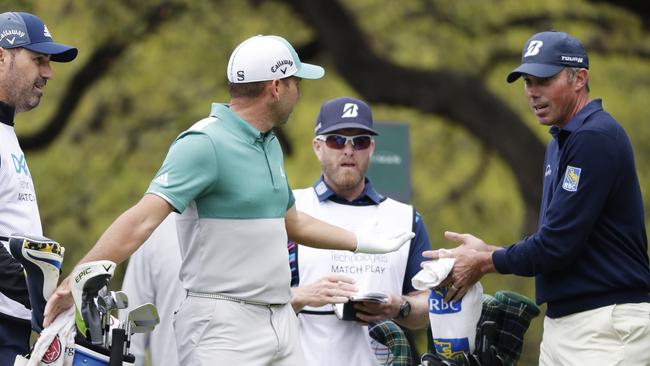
(590, 249)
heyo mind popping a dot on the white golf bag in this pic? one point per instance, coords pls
(79, 336)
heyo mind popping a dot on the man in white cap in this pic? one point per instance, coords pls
(26, 49)
(225, 176)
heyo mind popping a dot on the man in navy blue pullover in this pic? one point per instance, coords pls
(589, 255)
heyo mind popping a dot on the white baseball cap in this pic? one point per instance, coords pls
(262, 58)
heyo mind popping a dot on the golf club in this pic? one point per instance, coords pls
(142, 319)
(88, 279)
(106, 302)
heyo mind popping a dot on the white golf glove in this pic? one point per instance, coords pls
(371, 241)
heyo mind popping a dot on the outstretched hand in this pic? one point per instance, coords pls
(371, 241)
(468, 241)
(473, 260)
(60, 301)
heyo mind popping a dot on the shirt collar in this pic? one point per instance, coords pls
(238, 125)
(7, 114)
(368, 197)
(577, 121)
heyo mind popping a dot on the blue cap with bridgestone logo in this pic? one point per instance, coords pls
(28, 31)
(547, 53)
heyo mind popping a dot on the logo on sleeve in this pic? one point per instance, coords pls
(571, 178)
(162, 179)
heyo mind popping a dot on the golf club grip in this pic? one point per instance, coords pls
(117, 345)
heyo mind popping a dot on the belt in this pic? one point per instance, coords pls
(317, 312)
(215, 296)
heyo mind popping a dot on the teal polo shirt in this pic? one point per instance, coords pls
(227, 180)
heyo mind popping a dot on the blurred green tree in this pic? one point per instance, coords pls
(149, 69)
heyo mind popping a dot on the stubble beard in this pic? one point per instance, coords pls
(342, 179)
(19, 92)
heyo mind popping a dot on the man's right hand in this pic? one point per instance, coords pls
(332, 289)
(60, 301)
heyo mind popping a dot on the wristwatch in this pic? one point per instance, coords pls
(404, 309)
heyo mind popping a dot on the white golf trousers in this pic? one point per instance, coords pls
(223, 332)
(614, 335)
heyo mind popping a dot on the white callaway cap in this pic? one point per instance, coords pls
(262, 58)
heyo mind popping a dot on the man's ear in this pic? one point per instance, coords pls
(318, 148)
(582, 79)
(274, 86)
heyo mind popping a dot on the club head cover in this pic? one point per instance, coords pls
(41, 258)
(87, 281)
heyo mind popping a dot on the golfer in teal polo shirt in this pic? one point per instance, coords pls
(225, 176)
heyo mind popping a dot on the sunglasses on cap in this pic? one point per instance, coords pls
(338, 142)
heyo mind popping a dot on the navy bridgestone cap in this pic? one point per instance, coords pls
(547, 53)
(345, 112)
(28, 31)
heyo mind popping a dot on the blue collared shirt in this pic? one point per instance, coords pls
(590, 249)
(368, 197)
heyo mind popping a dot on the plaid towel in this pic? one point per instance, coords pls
(512, 313)
(392, 336)
(519, 311)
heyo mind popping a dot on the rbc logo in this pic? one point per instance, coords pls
(451, 348)
(438, 305)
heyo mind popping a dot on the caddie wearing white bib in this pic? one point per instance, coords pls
(345, 198)
(26, 49)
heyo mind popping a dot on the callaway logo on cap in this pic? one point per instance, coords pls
(547, 53)
(262, 58)
(28, 31)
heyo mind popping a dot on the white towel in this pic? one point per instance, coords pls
(55, 345)
(432, 273)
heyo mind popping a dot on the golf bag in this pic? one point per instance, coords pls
(505, 318)
(79, 336)
(88, 354)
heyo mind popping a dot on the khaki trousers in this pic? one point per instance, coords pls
(222, 332)
(611, 335)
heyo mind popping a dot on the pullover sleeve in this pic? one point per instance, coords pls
(587, 172)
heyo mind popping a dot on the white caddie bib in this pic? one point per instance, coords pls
(326, 340)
